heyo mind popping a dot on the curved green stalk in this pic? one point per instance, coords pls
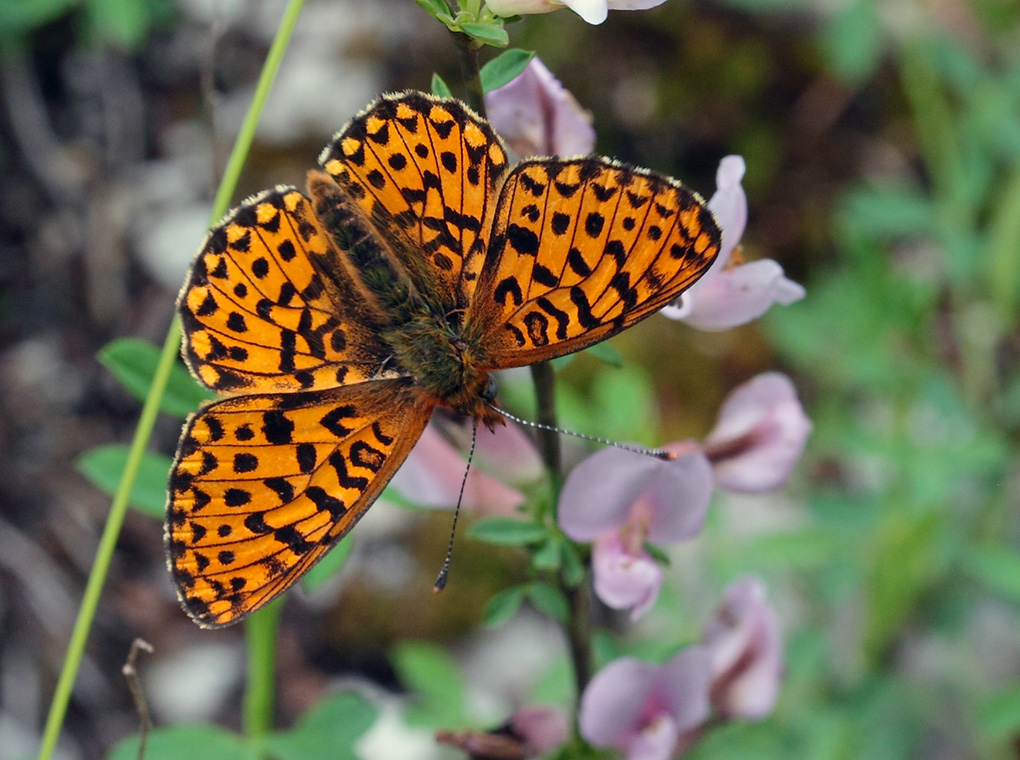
(260, 631)
(143, 431)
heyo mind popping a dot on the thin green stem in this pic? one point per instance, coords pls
(260, 631)
(107, 543)
(468, 48)
(544, 378)
(150, 409)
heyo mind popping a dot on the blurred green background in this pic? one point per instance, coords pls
(882, 139)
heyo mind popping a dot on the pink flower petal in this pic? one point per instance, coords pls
(522, 7)
(543, 728)
(666, 500)
(676, 497)
(726, 296)
(613, 704)
(637, 707)
(537, 116)
(633, 5)
(746, 647)
(684, 683)
(729, 205)
(655, 741)
(736, 296)
(759, 436)
(507, 452)
(432, 473)
(592, 11)
(623, 580)
(598, 494)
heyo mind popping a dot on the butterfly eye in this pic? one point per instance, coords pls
(490, 389)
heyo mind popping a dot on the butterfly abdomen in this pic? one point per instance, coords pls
(368, 261)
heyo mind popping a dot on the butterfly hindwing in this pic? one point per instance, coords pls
(265, 484)
(581, 249)
(425, 170)
(258, 315)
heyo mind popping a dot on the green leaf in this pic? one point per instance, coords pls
(440, 87)
(103, 466)
(124, 23)
(19, 17)
(328, 565)
(433, 677)
(549, 600)
(999, 717)
(504, 68)
(573, 567)
(186, 743)
(547, 556)
(852, 41)
(997, 568)
(606, 353)
(506, 531)
(501, 607)
(133, 362)
(657, 553)
(435, 8)
(329, 729)
(491, 34)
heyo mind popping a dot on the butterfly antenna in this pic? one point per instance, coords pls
(657, 453)
(445, 572)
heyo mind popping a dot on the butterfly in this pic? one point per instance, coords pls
(335, 321)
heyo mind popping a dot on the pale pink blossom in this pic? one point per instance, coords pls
(592, 11)
(624, 578)
(642, 709)
(759, 436)
(619, 500)
(537, 116)
(531, 732)
(729, 295)
(746, 649)
(543, 729)
(431, 475)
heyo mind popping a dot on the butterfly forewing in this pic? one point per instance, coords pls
(582, 249)
(424, 170)
(264, 485)
(257, 314)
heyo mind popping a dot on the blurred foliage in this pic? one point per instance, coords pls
(122, 23)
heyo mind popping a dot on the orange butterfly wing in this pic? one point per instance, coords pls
(425, 171)
(264, 485)
(259, 313)
(582, 249)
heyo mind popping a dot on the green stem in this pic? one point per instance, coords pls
(544, 378)
(107, 543)
(150, 409)
(468, 48)
(260, 631)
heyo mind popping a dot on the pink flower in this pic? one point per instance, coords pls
(431, 475)
(625, 578)
(592, 11)
(746, 652)
(618, 500)
(530, 732)
(759, 436)
(642, 709)
(730, 295)
(537, 116)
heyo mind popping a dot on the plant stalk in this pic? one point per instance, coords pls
(150, 409)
